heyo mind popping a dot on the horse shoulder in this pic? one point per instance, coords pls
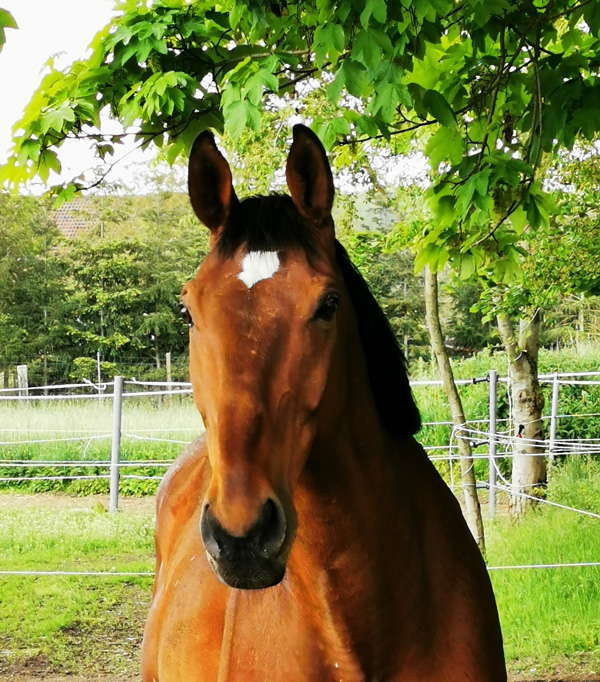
(179, 495)
(459, 587)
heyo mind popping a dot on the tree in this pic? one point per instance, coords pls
(495, 86)
(122, 283)
(6, 21)
(28, 280)
(467, 472)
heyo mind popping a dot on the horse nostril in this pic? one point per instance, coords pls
(209, 530)
(271, 528)
(265, 538)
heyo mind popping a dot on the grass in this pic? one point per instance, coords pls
(142, 421)
(73, 624)
(550, 617)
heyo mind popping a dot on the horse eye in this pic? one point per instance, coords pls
(327, 308)
(185, 314)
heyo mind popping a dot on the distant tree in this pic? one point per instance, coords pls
(122, 290)
(28, 278)
(6, 21)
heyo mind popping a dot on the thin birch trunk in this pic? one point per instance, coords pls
(527, 402)
(432, 313)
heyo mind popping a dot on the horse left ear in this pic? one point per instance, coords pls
(209, 183)
(309, 176)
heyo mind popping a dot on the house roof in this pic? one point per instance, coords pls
(73, 216)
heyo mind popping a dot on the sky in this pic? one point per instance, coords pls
(64, 29)
(46, 28)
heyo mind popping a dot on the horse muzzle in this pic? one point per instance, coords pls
(253, 561)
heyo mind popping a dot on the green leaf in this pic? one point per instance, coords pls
(444, 210)
(253, 116)
(430, 255)
(446, 144)
(518, 219)
(376, 9)
(66, 194)
(236, 14)
(48, 161)
(329, 41)
(466, 266)
(236, 115)
(481, 181)
(438, 107)
(366, 50)
(327, 134)
(55, 118)
(354, 77)
(465, 195)
(6, 21)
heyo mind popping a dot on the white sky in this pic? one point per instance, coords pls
(46, 27)
(65, 28)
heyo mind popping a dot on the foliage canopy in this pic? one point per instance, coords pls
(496, 83)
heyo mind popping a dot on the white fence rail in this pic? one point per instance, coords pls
(496, 436)
(499, 442)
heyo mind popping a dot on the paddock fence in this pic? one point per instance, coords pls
(496, 435)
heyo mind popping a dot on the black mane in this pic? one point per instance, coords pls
(272, 223)
(265, 224)
(386, 364)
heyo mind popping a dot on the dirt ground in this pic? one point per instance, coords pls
(70, 678)
(52, 500)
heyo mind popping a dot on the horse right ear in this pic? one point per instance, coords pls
(209, 183)
(309, 176)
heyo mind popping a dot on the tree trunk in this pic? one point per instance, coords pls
(432, 313)
(527, 402)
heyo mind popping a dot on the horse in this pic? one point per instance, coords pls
(305, 536)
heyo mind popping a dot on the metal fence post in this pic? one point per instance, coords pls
(115, 452)
(23, 380)
(169, 376)
(553, 417)
(492, 441)
(99, 373)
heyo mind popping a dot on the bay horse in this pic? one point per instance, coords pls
(306, 536)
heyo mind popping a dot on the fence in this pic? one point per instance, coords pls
(499, 442)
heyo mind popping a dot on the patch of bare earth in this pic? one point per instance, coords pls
(56, 500)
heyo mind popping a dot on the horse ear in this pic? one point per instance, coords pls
(309, 176)
(209, 182)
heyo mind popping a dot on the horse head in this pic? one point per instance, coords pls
(268, 311)
(285, 333)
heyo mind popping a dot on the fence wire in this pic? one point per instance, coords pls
(476, 437)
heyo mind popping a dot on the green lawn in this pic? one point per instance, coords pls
(550, 617)
(73, 624)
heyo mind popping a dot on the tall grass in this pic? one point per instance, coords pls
(41, 432)
(550, 616)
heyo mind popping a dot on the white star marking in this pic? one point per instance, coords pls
(258, 265)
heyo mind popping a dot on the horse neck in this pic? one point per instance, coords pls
(353, 482)
(356, 538)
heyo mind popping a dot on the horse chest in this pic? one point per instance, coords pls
(202, 631)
